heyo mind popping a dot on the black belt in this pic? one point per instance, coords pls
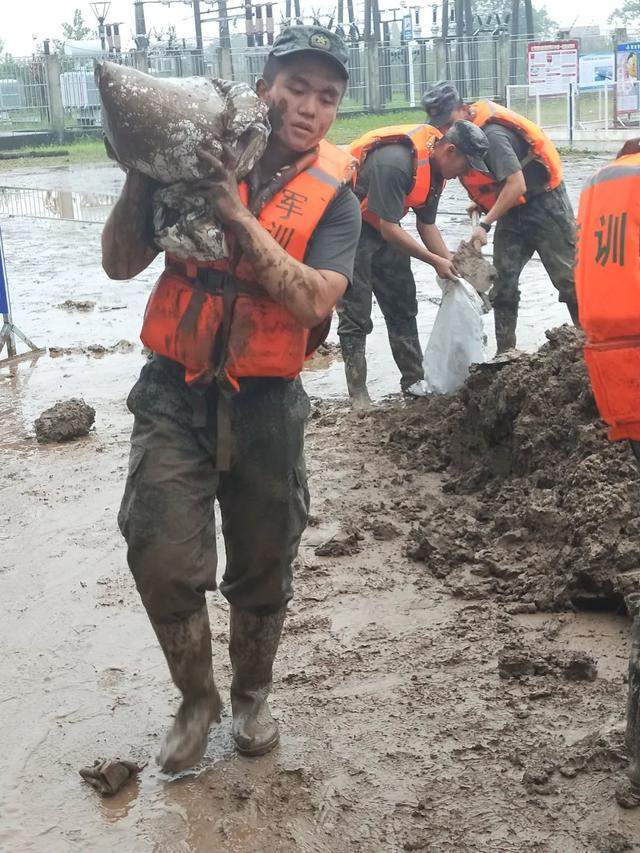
(215, 281)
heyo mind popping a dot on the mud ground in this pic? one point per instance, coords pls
(398, 731)
(406, 724)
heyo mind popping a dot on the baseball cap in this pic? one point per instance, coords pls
(312, 39)
(439, 101)
(471, 140)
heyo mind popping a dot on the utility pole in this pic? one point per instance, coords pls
(460, 76)
(248, 16)
(100, 9)
(270, 27)
(528, 14)
(141, 27)
(375, 10)
(515, 34)
(472, 49)
(350, 13)
(445, 38)
(223, 23)
(259, 26)
(197, 20)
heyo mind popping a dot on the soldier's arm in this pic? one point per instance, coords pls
(431, 236)
(395, 234)
(514, 187)
(126, 239)
(308, 294)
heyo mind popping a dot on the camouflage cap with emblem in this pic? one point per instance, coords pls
(318, 40)
(471, 141)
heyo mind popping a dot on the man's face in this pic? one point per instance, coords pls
(303, 100)
(462, 113)
(450, 160)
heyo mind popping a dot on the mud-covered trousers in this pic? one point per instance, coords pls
(167, 512)
(546, 225)
(382, 271)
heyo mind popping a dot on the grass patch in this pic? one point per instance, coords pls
(88, 150)
(348, 128)
(84, 150)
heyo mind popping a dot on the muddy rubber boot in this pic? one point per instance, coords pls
(187, 647)
(355, 370)
(628, 791)
(572, 306)
(407, 354)
(506, 320)
(253, 643)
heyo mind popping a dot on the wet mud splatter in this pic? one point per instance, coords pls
(65, 421)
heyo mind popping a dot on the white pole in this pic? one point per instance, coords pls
(538, 119)
(412, 82)
(606, 106)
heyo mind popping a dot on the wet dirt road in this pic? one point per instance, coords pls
(398, 732)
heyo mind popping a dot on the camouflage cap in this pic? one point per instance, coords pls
(439, 101)
(472, 141)
(308, 39)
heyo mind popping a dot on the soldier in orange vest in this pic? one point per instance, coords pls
(608, 290)
(219, 408)
(400, 168)
(523, 194)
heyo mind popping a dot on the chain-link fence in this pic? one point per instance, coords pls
(59, 93)
(24, 96)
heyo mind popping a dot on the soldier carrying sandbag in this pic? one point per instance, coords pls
(219, 408)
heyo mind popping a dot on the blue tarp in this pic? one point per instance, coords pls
(4, 295)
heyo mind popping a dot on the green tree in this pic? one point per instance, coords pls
(627, 13)
(77, 30)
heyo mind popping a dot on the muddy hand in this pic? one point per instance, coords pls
(220, 187)
(479, 237)
(445, 268)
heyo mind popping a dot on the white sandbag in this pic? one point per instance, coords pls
(457, 339)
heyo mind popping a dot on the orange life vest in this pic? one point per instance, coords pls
(421, 139)
(608, 290)
(483, 189)
(230, 328)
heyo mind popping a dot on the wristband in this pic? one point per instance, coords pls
(485, 225)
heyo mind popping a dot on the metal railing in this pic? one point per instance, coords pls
(55, 204)
(606, 106)
(24, 94)
(60, 94)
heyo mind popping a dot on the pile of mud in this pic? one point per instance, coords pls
(538, 507)
(65, 421)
